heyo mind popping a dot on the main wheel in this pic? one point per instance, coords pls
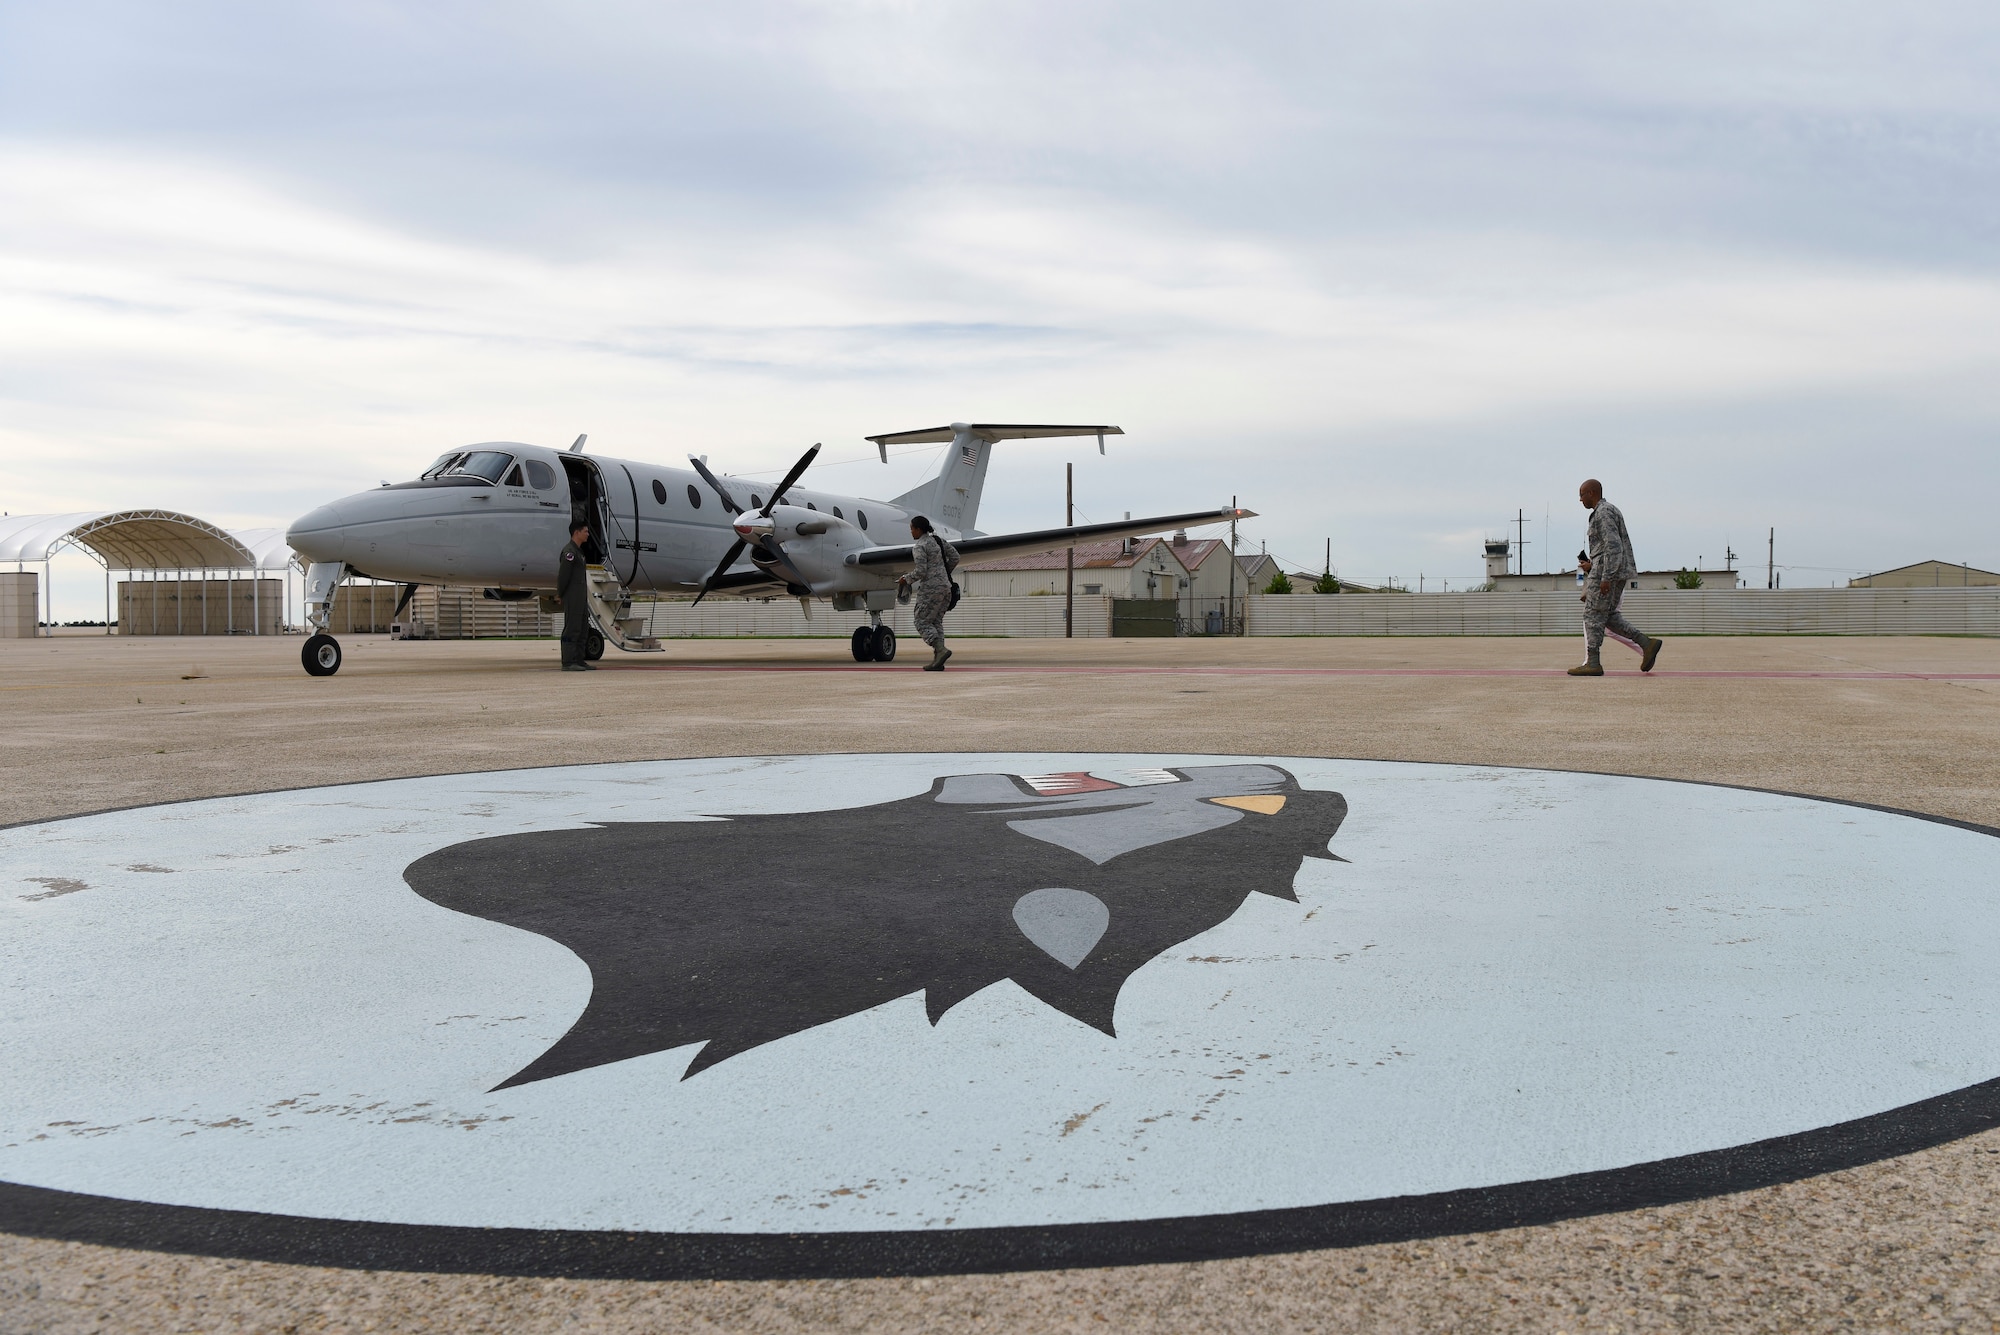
(321, 656)
(593, 644)
(864, 644)
(885, 645)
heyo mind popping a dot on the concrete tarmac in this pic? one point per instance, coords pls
(96, 723)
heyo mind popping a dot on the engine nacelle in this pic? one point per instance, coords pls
(817, 544)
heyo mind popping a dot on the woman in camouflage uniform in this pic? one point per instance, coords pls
(931, 579)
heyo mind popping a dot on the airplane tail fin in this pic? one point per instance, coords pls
(952, 497)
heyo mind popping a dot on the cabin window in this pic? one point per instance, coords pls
(756, 501)
(861, 518)
(487, 464)
(540, 476)
(837, 514)
(514, 478)
(659, 492)
(811, 506)
(694, 497)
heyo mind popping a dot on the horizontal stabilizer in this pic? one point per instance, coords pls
(1052, 539)
(990, 431)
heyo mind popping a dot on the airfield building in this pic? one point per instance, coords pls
(1927, 575)
(1133, 568)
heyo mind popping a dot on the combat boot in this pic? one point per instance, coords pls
(1590, 668)
(937, 659)
(1652, 654)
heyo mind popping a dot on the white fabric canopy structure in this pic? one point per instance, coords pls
(155, 541)
(130, 540)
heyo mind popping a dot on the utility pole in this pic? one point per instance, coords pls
(1521, 540)
(1771, 560)
(1069, 565)
(1231, 629)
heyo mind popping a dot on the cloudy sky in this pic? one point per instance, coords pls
(1389, 273)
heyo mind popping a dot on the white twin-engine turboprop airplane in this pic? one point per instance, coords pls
(497, 515)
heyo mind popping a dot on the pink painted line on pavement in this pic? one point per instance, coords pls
(1089, 670)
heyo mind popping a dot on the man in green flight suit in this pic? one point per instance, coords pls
(573, 587)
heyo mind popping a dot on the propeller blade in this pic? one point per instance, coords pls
(728, 501)
(728, 560)
(798, 470)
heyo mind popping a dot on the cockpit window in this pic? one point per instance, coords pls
(514, 478)
(444, 461)
(489, 464)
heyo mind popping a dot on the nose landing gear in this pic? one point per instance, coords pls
(321, 654)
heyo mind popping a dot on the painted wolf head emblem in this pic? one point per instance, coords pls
(739, 931)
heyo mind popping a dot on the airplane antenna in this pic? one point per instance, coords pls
(577, 448)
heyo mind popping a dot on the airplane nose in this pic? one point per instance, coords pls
(320, 535)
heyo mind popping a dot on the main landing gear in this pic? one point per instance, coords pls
(874, 644)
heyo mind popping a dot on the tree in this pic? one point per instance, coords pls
(1280, 583)
(1687, 579)
(1328, 582)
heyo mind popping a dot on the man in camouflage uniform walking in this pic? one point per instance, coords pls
(1608, 569)
(935, 559)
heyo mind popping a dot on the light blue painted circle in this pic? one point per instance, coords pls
(1516, 975)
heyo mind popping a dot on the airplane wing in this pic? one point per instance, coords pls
(998, 545)
(736, 581)
(991, 431)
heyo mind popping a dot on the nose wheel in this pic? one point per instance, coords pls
(321, 656)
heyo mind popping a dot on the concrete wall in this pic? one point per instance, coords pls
(1028, 615)
(213, 606)
(463, 614)
(20, 604)
(1676, 612)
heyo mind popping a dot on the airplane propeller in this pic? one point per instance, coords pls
(715, 484)
(770, 542)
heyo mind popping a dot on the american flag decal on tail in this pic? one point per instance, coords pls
(968, 453)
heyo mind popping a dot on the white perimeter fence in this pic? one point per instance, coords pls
(1030, 616)
(1974, 611)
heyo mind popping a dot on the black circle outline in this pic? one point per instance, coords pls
(110, 1221)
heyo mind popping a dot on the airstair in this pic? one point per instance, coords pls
(611, 611)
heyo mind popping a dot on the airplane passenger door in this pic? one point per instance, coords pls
(626, 546)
